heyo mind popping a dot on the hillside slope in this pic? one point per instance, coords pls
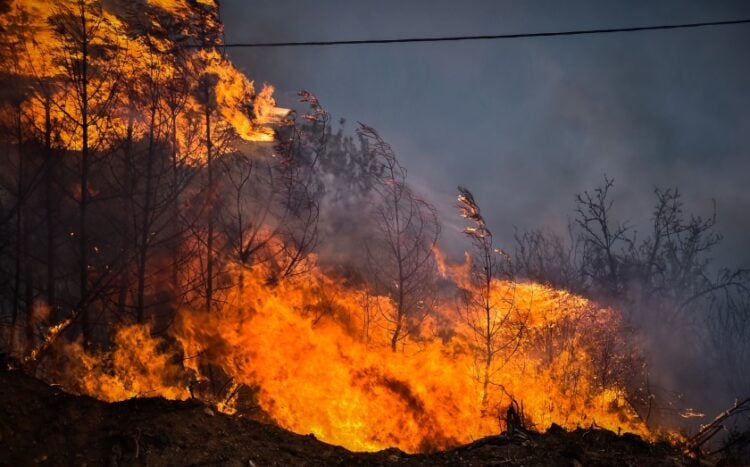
(41, 424)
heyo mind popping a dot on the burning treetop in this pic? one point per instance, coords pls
(111, 57)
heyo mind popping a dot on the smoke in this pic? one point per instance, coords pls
(559, 130)
(527, 124)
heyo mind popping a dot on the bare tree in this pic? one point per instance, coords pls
(298, 149)
(550, 258)
(249, 205)
(89, 61)
(216, 142)
(663, 283)
(605, 258)
(146, 179)
(17, 182)
(601, 238)
(727, 338)
(401, 250)
(489, 306)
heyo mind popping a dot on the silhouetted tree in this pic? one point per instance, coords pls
(489, 306)
(664, 283)
(298, 148)
(401, 249)
(88, 57)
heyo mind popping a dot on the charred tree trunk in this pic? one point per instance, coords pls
(175, 208)
(28, 274)
(84, 195)
(49, 204)
(125, 245)
(146, 221)
(19, 242)
(211, 190)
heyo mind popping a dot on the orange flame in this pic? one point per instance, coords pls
(315, 349)
(125, 56)
(302, 345)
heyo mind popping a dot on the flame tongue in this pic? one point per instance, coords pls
(128, 50)
(316, 372)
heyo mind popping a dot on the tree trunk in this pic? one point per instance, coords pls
(127, 209)
(146, 222)
(19, 241)
(489, 335)
(175, 212)
(211, 189)
(49, 204)
(84, 196)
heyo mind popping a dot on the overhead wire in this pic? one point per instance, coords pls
(483, 37)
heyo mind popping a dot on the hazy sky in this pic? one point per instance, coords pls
(527, 123)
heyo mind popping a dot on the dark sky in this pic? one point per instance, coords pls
(527, 123)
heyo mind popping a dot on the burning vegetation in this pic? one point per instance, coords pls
(168, 231)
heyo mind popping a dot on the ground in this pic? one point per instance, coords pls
(41, 424)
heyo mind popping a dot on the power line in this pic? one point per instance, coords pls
(576, 32)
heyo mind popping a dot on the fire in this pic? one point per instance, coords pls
(129, 59)
(313, 349)
(137, 366)
(301, 344)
